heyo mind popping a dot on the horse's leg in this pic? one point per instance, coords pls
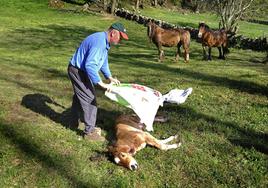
(178, 52)
(223, 51)
(209, 53)
(160, 52)
(220, 53)
(204, 52)
(162, 55)
(186, 52)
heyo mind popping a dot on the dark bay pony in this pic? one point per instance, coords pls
(168, 38)
(211, 39)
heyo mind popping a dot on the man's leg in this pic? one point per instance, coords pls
(85, 93)
(74, 117)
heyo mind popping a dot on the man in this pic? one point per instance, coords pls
(83, 70)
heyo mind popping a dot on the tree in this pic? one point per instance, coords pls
(137, 5)
(154, 3)
(105, 4)
(230, 12)
(113, 6)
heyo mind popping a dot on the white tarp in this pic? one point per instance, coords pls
(145, 101)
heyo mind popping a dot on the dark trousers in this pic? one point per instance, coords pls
(84, 98)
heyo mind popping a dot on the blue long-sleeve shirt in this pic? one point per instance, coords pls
(92, 56)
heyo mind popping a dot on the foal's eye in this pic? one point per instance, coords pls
(123, 155)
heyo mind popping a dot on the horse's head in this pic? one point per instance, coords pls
(202, 29)
(123, 155)
(150, 29)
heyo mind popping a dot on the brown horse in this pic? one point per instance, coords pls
(212, 38)
(168, 38)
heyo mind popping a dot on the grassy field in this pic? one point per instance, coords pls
(223, 124)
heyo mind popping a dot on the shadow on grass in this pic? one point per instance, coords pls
(247, 138)
(241, 85)
(32, 150)
(39, 103)
(73, 2)
(46, 36)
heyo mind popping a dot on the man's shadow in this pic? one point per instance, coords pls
(40, 104)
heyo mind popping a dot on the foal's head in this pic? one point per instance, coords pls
(123, 155)
(202, 29)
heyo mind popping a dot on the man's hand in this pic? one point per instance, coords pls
(114, 80)
(106, 87)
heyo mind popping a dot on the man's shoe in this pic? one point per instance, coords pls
(97, 130)
(95, 135)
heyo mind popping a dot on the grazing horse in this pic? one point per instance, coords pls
(212, 38)
(168, 38)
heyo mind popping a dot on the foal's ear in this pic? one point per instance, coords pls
(132, 150)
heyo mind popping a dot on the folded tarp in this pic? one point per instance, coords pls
(145, 101)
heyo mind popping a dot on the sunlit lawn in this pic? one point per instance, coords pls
(223, 124)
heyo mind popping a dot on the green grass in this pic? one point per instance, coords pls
(251, 30)
(223, 124)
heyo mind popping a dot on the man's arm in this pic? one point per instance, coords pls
(92, 66)
(107, 73)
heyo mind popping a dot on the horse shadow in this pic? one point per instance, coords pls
(41, 104)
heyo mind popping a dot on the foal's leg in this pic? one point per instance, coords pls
(220, 52)
(169, 139)
(160, 144)
(209, 53)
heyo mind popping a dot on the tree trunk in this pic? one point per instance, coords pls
(113, 6)
(137, 5)
(105, 5)
(231, 12)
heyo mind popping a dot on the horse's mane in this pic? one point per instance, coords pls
(202, 24)
(154, 26)
(215, 31)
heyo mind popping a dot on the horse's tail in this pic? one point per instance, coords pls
(228, 36)
(189, 38)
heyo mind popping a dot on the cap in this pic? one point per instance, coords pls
(119, 27)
